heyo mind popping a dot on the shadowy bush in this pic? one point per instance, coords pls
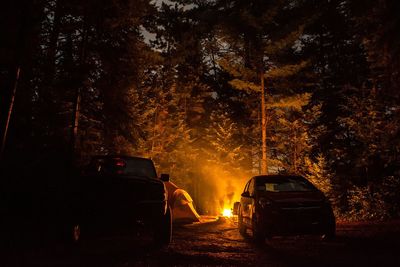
(376, 201)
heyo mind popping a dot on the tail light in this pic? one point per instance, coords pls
(119, 162)
(119, 165)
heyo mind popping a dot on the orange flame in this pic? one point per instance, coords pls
(227, 213)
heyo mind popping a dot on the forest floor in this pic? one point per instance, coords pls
(216, 242)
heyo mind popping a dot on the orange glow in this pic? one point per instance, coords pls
(227, 213)
(223, 187)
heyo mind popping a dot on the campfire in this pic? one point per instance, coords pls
(227, 213)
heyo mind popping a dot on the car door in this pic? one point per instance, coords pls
(247, 202)
(252, 200)
(243, 202)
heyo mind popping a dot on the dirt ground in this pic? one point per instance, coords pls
(216, 242)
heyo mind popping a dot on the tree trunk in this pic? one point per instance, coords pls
(264, 166)
(10, 109)
(52, 45)
(77, 100)
(154, 132)
(75, 120)
(295, 149)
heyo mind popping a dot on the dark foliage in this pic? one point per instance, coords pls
(179, 82)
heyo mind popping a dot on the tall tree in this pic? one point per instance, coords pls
(255, 33)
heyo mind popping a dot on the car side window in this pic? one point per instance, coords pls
(251, 187)
(246, 188)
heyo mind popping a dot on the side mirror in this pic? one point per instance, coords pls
(246, 194)
(164, 177)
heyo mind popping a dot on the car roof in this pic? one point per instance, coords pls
(118, 156)
(274, 177)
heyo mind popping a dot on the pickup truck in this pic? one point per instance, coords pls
(117, 193)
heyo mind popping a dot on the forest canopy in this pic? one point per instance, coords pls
(180, 81)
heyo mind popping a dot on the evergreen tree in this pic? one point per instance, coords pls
(258, 48)
(289, 123)
(377, 25)
(320, 175)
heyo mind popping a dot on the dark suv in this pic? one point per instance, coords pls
(284, 205)
(119, 193)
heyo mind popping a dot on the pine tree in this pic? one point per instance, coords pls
(256, 47)
(90, 55)
(290, 120)
(224, 148)
(320, 175)
(372, 127)
(376, 28)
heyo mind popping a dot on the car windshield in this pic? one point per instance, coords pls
(285, 184)
(124, 166)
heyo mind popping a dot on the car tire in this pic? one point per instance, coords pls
(258, 234)
(71, 235)
(163, 230)
(76, 233)
(241, 226)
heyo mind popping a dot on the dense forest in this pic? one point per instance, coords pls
(214, 91)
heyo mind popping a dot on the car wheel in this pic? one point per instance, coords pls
(163, 230)
(71, 234)
(76, 233)
(258, 234)
(241, 226)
